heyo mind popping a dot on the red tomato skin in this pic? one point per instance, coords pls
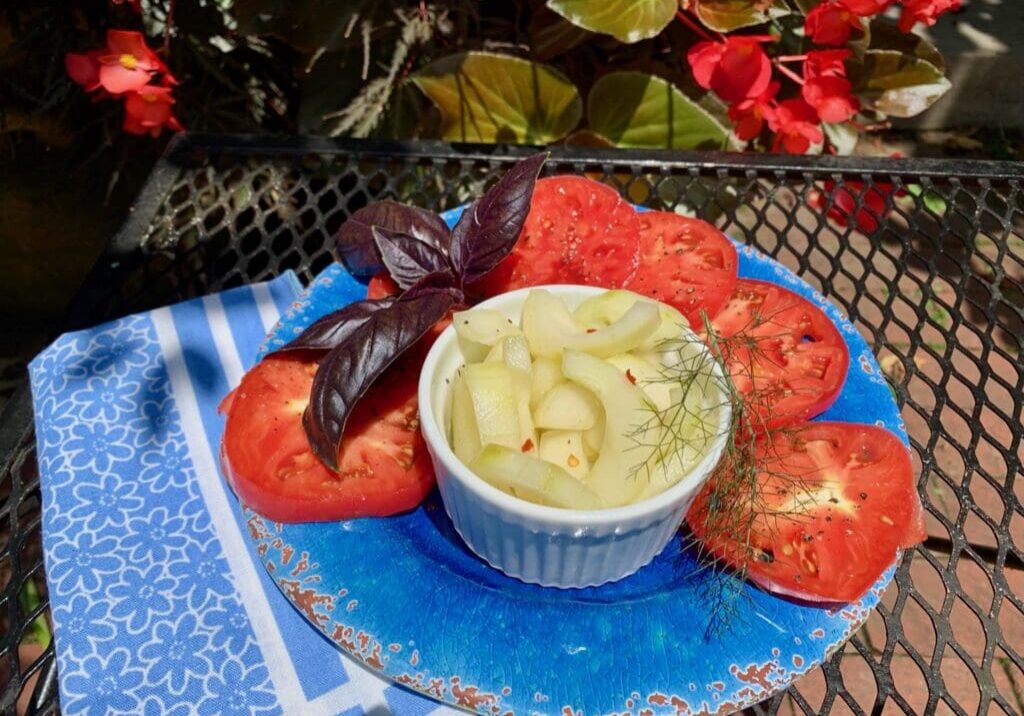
(324, 510)
(224, 407)
(685, 262)
(385, 467)
(382, 286)
(781, 353)
(578, 231)
(917, 528)
(839, 546)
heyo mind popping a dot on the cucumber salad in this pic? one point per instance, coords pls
(598, 406)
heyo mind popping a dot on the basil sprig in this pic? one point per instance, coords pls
(431, 264)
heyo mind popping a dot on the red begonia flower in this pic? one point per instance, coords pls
(796, 126)
(831, 23)
(148, 111)
(831, 98)
(736, 69)
(748, 117)
(843, 209)
(128, 63)
(926, 11)
(84, 68)
(826, 63)
(866, 8)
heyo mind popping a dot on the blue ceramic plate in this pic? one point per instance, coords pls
(406, 597)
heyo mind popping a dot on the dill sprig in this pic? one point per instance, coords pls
(734, 503)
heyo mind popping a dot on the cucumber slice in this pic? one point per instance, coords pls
(567, 406)
(479, 329)
(492, 391)
(547, 323)
(634, 327)
(527, 433)
(647, 377)
(465, 438)
(593, 438)
(614, 475)
(607, 308)
(547, 373)
(564, 449)
(516, 353)
(531, 479)
(695, 415)
(496, 354)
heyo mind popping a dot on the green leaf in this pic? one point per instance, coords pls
(886, 35)
(938, 313)
(932, 201)
(485, 97)
(843, 137)
(626, 20)
(552, 35)
(729, 15)
(897, 84)
(633, 109)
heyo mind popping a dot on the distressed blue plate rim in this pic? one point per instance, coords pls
(403, 596)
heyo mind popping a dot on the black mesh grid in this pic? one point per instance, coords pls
(930, 268)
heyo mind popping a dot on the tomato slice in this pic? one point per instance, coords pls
(384, 465)
(382, 286)
(834, 501)
(578, 231)
(784, 354)
(687, 263)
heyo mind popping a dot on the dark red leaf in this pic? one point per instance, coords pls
(347, 372)
(407, 258)
(356, 248)
(330, 330)
(490, 226)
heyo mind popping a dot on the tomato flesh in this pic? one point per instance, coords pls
(785, 356)
(382, 286)
(687, 263)
(578, 231)
(834, 503)
(384, 465)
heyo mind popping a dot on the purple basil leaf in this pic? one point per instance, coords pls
(439, 281)
(406, 258)
(330, 330)
(489, 227)
(355, 246)
(348, 371)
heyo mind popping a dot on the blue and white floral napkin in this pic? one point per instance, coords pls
(160, 605)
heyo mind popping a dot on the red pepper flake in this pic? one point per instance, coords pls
(528, 445)
(591, 330)
(630, 377)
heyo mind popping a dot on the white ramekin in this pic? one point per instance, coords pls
(535, 543)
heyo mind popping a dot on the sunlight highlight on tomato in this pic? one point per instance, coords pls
(833, 505)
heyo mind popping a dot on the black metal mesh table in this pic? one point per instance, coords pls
(930, 269)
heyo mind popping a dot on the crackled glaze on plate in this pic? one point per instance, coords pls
(406, 597)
